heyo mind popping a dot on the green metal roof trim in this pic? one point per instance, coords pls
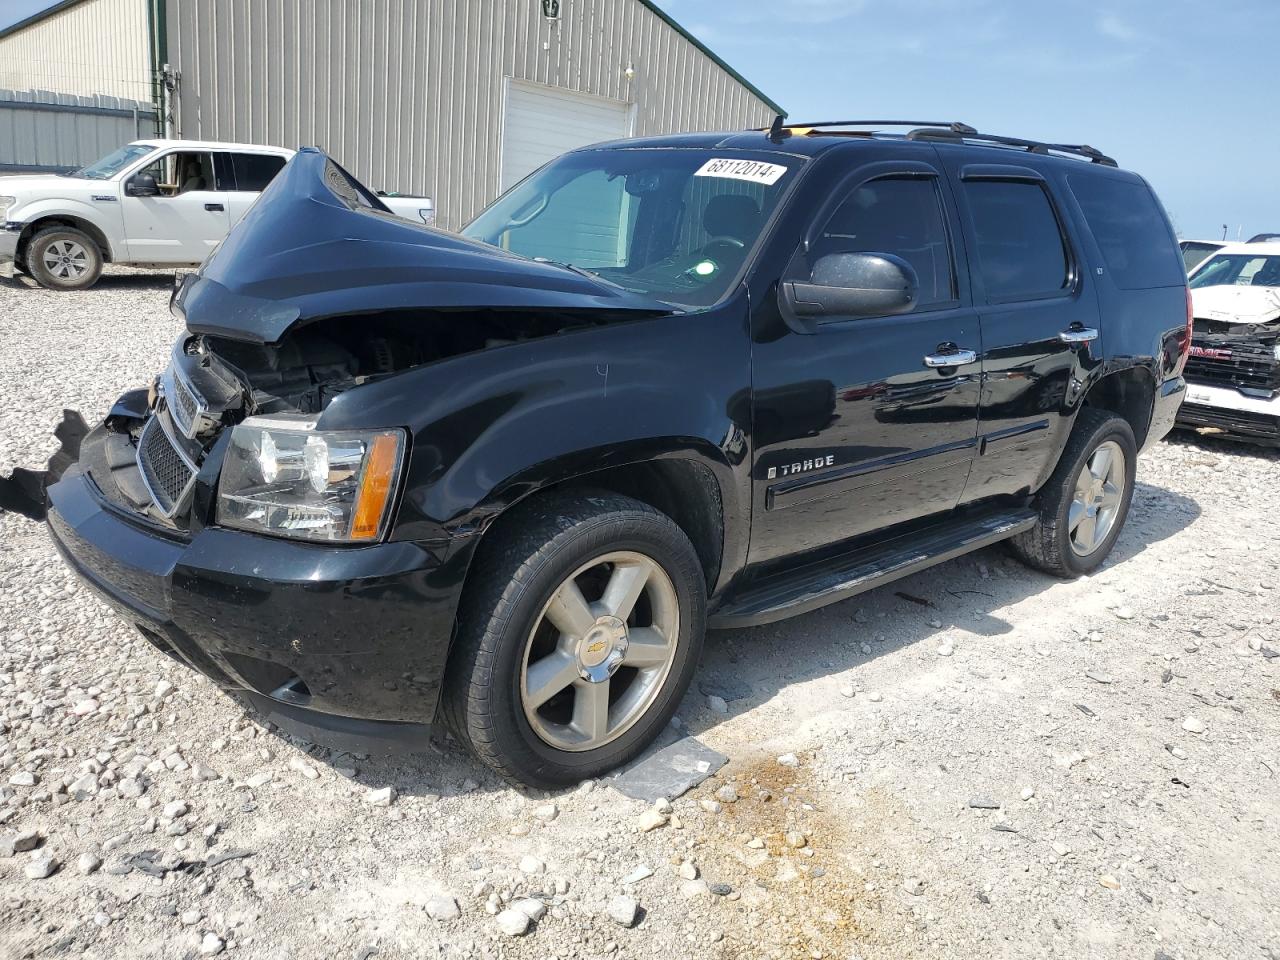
(667, 18)
(38, 16)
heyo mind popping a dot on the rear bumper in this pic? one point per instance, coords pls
(1164, 412)
(9, 234)
(329, 636)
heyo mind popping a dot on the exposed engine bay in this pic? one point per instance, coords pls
(159, 442)
(315, 362)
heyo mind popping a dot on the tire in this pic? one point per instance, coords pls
(519, 584)
(63, 258)
(1055, 544)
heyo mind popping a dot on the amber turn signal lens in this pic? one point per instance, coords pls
(376, 485)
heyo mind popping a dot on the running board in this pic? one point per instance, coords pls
(817, 584)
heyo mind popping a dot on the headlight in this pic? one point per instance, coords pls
(283, 478)
(5, 204)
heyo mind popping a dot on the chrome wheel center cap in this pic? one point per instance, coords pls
(601, 650)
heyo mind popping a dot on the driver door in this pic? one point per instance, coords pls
(862, 422)
(186, 220)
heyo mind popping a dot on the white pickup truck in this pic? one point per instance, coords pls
(152, 203)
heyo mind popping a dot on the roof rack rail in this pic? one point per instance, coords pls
(780, 126)
(951, 130)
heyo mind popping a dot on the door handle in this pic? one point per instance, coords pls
(957, 358)
(1078, 334)
(214, 207)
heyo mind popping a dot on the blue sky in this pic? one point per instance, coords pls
(1181, 91)
(1178, 90)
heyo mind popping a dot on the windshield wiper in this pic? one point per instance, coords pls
(569, 266)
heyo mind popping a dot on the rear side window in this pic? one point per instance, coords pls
(1021, 251)
(255, 170)
(1131, 231)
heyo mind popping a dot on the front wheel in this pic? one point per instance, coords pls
(63, 258)
(577, 638)
(1084, 504)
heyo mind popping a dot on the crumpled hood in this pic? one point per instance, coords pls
(1237, 304)
(318, 244)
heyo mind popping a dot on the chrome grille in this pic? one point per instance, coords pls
(1246, 366)
(183, 405)
(167, 474)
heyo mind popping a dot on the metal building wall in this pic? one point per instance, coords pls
(57, 132)
(408, 94)
(94, 48)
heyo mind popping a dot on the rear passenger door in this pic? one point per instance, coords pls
(248, 175)
(1039, 322)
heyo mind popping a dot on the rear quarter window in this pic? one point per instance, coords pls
(1131, 231)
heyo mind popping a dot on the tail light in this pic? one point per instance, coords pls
(1184, 341)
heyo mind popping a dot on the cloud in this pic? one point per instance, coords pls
(1112, 26)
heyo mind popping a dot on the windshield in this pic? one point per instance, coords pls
(113, 163)
(672, 224)
(1238, 270)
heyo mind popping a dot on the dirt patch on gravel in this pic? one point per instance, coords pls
(792, 855)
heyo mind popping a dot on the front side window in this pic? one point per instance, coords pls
(899, 216)
(182, 172)
(676, 225)
(1021, 251)
(1238, 270)
(114, 162)
(253, 171)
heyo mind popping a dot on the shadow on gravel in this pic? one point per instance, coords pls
(1223, 446)
(750, 667)
(757, 664)
(108, 281)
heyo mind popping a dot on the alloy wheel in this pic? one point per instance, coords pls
(1099, 492)
(600, 651)
(66, 259)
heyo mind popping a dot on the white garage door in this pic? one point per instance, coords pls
(541, 123)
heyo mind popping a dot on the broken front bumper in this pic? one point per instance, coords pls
(340, 639)
(9, 234)
(1228, 410)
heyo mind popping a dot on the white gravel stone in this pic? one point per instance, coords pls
(443, 908)
(1194, 725)
(88, 863)
(532, 866)
(513, 923)
(42, 865)
(211, 945)
(642, 872)
(381, 797)
(623, 910)
(535, 910)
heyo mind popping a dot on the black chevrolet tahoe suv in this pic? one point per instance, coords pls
(505, 480)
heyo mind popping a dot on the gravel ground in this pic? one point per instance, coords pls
(976, 762)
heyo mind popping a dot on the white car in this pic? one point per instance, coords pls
(152, 203)
(1233, 373)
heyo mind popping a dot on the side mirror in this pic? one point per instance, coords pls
(853, 285)
(141, 185)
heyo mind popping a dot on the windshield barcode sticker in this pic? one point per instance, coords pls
(752, 171)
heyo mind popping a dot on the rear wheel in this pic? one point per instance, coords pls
(1084, 504)
(577, 638)
(63, 258)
